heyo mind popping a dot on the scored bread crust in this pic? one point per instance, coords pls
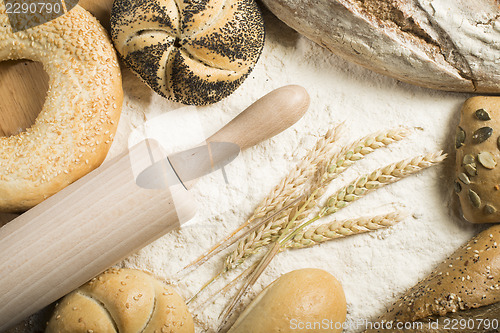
(74, 131)
(122, 300)
(468, 279)
(439, 44)
(193, 52)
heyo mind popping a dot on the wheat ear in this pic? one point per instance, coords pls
(339, 229)
(378, 178)
(282, 195)
(331, 169)
(370, 182)
(352, 192)
(286, 190)
(341, 162)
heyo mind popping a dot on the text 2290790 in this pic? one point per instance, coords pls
(33, 8)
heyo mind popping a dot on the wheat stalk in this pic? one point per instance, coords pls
(368, 183)
(339, 229)
(286, 190)
(329, 170)
(284, 194)
(378, 178)
(348, 194)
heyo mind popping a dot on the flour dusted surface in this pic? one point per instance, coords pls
(373, 268)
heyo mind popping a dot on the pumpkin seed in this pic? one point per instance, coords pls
(489, 209)
(482, 114)
(487, 160)
(468, 159)
(498, 142)
(460, 137)
(458, 187)
(471, 170)
(482, 134)
(463, 177)
(474, 198)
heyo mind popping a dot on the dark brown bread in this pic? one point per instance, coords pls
(466, 285)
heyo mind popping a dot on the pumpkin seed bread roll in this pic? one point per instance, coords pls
(477, 142)
(125, 301)
(466, 286)
(75, 128)
(193, 52)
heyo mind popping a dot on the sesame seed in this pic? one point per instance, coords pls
(89, 45)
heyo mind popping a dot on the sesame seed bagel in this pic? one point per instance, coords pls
(74, 130)
(193, 52)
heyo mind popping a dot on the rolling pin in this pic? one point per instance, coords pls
(105, 216)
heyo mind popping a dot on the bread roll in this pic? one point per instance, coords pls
(477, 180)
(466, 285)
(123, 300)
(305, 300)
(194, 52)
(440, 44)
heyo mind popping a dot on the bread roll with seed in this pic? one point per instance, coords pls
(299, 299)
(74, 131)
(465, 286)
(193, 52)
(477, 142)
(439, 44)
(125, 301)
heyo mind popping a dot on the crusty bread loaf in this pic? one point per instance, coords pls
(125, 301)
(466, 285)
(305, 300)
(440, 44)
(194, 52)
(477, 180)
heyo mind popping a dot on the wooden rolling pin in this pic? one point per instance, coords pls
(100, 219)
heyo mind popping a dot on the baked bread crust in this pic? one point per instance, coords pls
(305, 295)
(122, 300)
(74, 131)
(477, 185)
(193, 52)
(439, 44)
(469, 279)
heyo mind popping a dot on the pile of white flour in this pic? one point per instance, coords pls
(373, 268)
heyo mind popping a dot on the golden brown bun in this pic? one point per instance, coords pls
(193, 52)
(467, 282)
(295, 299)
(124, 301)
(74, 131)
(484, 182)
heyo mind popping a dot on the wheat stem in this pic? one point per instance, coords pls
(330, 169)
(284, 194)
(286, 190)
(348, 194)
